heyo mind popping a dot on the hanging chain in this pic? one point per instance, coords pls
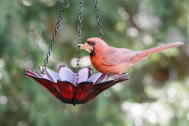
(57, 26)
(98, 19)
(79, 29)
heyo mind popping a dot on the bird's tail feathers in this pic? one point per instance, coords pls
(160, 48)
(143, 54)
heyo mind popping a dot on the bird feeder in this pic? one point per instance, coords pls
(67, 86)
(64, 86)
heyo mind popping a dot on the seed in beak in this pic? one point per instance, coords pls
(91, 48)
(86, 47)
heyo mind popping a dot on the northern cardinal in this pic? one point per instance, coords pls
(110, 60)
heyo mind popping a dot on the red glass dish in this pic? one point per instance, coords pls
(64, 87)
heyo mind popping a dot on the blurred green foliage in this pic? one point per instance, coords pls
(157, 93)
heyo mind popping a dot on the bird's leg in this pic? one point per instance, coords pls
(123, 75)
(112, 77)
(115, 77)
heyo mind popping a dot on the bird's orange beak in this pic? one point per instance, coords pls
(86, 47)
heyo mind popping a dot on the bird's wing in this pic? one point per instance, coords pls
(114, 56)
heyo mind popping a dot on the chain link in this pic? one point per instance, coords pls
(79, 29)
(98, 19)
(57, 26)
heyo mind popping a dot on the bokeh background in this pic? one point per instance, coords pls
(157, 93)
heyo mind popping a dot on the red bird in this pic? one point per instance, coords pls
(110, 60)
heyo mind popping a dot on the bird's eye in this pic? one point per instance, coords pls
(93, 43)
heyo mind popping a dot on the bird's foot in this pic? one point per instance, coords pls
(113, 77)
